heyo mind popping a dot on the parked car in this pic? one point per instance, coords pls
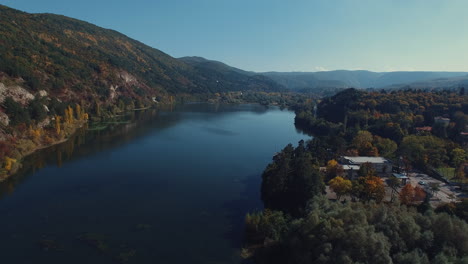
(422, 182)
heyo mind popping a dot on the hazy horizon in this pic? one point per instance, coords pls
(272, 36)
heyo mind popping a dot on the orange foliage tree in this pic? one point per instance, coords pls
(407, 194)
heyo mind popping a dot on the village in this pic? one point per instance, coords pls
(440, 191)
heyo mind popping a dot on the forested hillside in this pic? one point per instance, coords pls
(74, 60)
(56, 72)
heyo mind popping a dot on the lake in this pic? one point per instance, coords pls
(156, 186)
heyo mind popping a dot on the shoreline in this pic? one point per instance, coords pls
(19, 160)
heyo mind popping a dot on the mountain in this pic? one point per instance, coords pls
(235, 78)
(312, 81)
(218, 66)
(435, 84)
(73, 60)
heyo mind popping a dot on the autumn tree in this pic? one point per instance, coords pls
(35, 133)
(8, 163)
(407, 194)
(71, 119)
(79, 114)
(419, 194)
(334, 169)
(369, 188)
(57, 124)
(340, 186)
(363, 143)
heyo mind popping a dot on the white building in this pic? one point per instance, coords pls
(381, 165)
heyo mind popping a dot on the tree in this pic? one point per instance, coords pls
(407, 194)
(16, 112)
(458, 157)
(36, 110)
(363, 143)
(393, 183)
(434, 186)
(334, 169)
(291, 180)
(340, 186)
(419, 194)
(365, 233)
(8, 163)
(79, 114)
(57, 124)
(369, 188)
(366, 169)
(385, 146)
(71, 119)
(374, 188)
(424, 150)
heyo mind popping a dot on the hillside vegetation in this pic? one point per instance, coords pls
(56, 72)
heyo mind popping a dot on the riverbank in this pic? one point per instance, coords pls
(32, 141)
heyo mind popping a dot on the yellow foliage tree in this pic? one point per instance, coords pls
(79, 114)
(66, 116)
(57, 124)
(340, 186)
(70, 115)
(9, 163)
(35, 134)
(334, 169)
(374, 188)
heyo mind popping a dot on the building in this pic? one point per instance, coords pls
(401, 177)
(424, 129)
(381, 165)
(351, 171)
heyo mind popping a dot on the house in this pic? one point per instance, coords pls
(380, 164)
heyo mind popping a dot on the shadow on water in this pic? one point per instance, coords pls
(117, 132)
(141, 213)
(86, 142)
(237, 209)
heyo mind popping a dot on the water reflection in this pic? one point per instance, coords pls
(120, 131)
(154, 186)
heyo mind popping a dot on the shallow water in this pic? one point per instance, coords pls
(166, 187)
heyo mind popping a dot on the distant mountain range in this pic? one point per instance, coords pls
(340, 79)
(368, 79)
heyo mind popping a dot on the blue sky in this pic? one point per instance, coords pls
(296, 35)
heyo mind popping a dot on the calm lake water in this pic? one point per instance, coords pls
(160, 187)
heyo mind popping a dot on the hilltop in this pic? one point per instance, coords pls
(340, 79)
